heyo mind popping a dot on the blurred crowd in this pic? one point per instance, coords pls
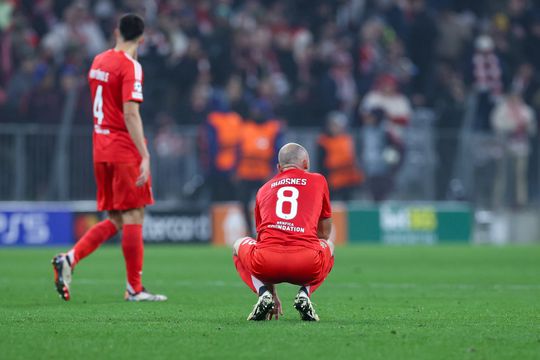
(306, 57)
(366, 63)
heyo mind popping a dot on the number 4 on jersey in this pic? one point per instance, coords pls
(98, 111)
(98, 105)
(291, 199)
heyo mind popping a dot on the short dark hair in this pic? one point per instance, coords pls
(131, 26)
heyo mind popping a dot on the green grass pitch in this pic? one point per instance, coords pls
(441, 302)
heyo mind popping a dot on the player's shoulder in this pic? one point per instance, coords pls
(108, 59)
(131, 64)
(105, 56)
(119, 61)
(317, 177)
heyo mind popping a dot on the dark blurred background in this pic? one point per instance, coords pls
(395, 99)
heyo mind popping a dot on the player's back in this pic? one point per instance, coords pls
(114, 79)
(289, 207)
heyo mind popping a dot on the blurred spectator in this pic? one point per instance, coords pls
(486, 76)
(455, 31)
(44, 101)
(448, 101)
(448, 97)
(386, 97)
(192, 68)
(518, 13)
(397, 64)
(43, 17)
(235, 96)
(532, 42)
(337, 158)
(527, 83)
(370, 53)
(169, 147)
(19, 88)
(220, 139)
(338, 88)
(513, 121)
(6, 11)
(260, 140)
(78, 28)
(421, 37)
(196, 109)
(381, 154)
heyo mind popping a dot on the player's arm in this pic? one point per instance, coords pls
(257, 212)
(134, 126)
(324, 228)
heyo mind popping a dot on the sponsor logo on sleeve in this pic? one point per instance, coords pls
(137, 91)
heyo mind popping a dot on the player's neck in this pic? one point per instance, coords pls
(290, 167)
(127, 47)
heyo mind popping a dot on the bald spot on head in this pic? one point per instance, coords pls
(292, 154)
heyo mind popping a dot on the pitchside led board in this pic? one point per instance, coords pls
(410, 223)
(172, 225)
(390, 223)
(34, 226)
(61, 225)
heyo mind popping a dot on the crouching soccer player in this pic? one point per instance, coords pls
(293, 219)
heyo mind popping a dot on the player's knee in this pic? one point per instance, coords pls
(236, 246)
(332, 246)
(116, 218)
(238, 243)
(133, 216)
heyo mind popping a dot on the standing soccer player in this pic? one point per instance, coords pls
(293, 219)
(121, 161)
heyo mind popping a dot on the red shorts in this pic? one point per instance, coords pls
(116, 189)
(292, 264)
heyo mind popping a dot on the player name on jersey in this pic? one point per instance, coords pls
(289, 181)
(99, 75)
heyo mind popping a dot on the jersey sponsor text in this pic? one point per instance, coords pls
(287, 226)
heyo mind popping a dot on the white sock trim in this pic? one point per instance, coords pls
(308, 288)
(71, 255)
(256, 283)
(130, 288)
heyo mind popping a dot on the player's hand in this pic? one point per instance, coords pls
(145, 172)
(277, 311)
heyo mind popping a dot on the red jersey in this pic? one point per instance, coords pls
(114, 78)
(288, 209)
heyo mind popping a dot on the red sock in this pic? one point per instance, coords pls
(132, 246)
(93, 238)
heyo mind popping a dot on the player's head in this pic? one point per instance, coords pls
(131, 28)
(293, 155)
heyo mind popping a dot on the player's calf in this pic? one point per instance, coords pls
(62, 275)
